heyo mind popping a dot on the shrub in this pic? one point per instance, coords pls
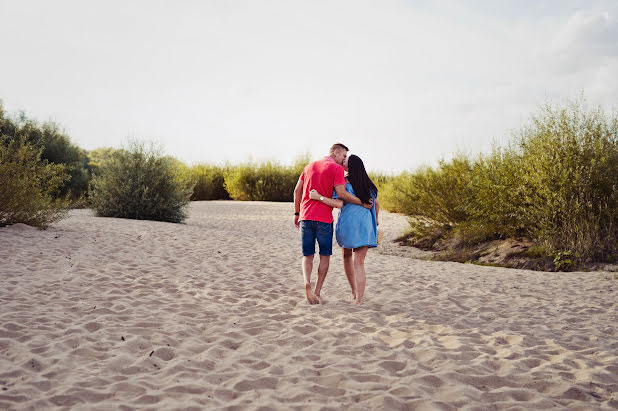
(263, 182)
(569, 170)
(396, 195)
(55, 147)
(142, 184)
(99, 156)
(556, 183)
(209, 182)
(439, 196)
(380, 179)
(29, 186)
(497, 202)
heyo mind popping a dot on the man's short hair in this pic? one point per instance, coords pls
(338, 146)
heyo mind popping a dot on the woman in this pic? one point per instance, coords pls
(356, 229)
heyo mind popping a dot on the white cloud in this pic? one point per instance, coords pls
(587, 41)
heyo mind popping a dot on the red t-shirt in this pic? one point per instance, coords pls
(322, 175)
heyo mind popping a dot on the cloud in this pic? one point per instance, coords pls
(586, 40)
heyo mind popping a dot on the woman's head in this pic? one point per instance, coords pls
(355, 164)
(361, 183)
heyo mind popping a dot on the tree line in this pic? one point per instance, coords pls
(555, 183)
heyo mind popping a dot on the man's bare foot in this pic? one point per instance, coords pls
(311, 297)
(358, 301)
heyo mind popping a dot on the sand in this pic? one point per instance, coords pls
(103, 313)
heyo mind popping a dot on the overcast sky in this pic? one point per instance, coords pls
(402, 83)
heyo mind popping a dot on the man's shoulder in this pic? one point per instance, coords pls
(330, 164)
(323, 164)
(324, 160)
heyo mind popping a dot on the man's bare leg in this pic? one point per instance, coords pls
(322, 270)
(359, 270)
(307, 268)
(348, 267)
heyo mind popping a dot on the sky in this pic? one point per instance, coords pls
(402, 83)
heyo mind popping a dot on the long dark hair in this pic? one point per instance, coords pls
(361, 183)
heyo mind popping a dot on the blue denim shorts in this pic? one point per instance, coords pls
(316, 230)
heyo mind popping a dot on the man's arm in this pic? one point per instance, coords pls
(298, 196)
(331, 202)
(349, 198)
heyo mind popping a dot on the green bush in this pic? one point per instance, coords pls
(142, 184)
(380, 179)
(397, 194)
(263, 182)
(99, 156)
(209, 183)
(29, 186)
(569, 168)
(556, 183)
(438, 195)
(55, 147)
(497, 202)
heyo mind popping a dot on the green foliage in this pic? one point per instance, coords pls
(556, 183)
(496, 186)
(55, 147)
(209, 182)
(142, 184)
(570, 166)
(424, 233)
(440, 196)
(263, 182)
(397, 194)
(99, 156)
(380, 179)
(29, 186)
(563, 260)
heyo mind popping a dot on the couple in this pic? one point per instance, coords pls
(321, 187)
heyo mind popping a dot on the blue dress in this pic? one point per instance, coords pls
(356, 225)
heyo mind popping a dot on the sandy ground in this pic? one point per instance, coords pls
(101, 313)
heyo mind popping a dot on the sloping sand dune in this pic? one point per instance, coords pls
(101, 313)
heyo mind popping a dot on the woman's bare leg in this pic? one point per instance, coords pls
(359, 271)
(348, 267)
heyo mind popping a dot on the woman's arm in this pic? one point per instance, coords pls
(332, 202)
(350, 198)
(377, 211)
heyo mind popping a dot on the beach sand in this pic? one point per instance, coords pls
(103, 313)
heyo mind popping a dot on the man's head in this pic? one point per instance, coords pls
(338, 152)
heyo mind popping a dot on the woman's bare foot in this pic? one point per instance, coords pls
(358, 301)
(311, 297)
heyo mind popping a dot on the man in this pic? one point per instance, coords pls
(315, 218)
